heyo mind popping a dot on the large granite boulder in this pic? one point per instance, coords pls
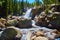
(37, 11)
(50, 19)
(40, 20)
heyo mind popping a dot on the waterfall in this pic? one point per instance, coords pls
(28, 13)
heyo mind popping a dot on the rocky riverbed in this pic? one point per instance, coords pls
(24, 28)
(35, 33)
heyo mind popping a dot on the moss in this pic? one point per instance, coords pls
(11, 22)
(8, 34)
(24, 23)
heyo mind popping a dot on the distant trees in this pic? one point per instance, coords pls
(37, 2)
(10, 7)
(47, 4)
(51, 2)
(4, 8)
(16, 7)
(13, 7)
(22, 6)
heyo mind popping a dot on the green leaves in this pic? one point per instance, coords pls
(47, 2)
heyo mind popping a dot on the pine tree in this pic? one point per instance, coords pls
(22, 7)
(37, 2)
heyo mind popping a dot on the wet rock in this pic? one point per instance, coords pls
(10, 34)
(19, 34)
(32, 38)
(37, 11)
(28, 37)
(12, 22)
(39, 33)
(42, 34)
(55, 22)
(2, 23)
(25, 23)
(14, 17)
(41, 20)
(55, 7)
(34, 11)
(41, 38)
(38, 36)
(50, 19)
(58, 32)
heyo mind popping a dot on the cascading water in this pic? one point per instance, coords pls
(28, 13)
(25, 31)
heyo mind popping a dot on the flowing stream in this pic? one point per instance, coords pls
(25, 31)
(28, 13)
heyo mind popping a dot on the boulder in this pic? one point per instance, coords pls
(2, 23)
(39, 33)
(12, 22)
(41, 20)
(55, 7)
(25, 23)
(50, 19)
(34, 11)
(37, 11)
(43, 34)
(10, 34)
(41, 38)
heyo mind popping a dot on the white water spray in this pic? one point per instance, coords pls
(28, 13)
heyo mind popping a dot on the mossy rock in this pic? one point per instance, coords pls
(8, 34)
(56, 21)
(52, 18)
(11, 22)
(24, 23)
